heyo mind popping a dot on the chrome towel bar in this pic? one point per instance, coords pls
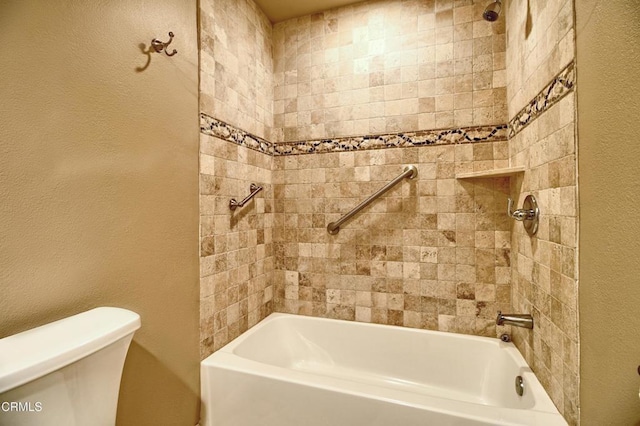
(410, 172)
(234, 204)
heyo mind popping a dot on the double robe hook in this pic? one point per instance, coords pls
(159, 46)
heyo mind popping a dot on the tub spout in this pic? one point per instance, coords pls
(519, 320)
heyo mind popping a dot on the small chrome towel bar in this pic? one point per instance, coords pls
(234, 204)
(410, 172)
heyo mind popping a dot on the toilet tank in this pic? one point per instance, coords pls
(66, 372)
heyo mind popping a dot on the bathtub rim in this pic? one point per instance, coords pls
(226, 358)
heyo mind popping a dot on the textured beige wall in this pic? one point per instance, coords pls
(99, 184)
(608, 34)
(388, 66)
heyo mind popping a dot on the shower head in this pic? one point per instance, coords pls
(492, 12)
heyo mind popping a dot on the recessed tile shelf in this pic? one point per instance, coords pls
(506, 172)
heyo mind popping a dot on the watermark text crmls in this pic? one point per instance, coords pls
(21, 406)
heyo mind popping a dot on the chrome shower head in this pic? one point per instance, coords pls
(492, 12)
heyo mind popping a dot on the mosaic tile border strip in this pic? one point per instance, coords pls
(557, 89)
(395, 140)
(214, 127)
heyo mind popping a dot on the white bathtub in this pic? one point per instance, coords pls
(295, 370)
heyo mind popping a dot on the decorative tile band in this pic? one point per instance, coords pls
(213, 127)
(395, 140)
(557, 89)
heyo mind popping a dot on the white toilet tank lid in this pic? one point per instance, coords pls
(33, 353)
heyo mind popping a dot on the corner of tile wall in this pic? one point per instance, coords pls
(544, 281)
(236, 72)
(542, 110)
(236, 252)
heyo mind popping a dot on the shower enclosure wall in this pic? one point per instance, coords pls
(359, 92)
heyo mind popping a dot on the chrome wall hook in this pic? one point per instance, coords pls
(528, 214)
(159, 46)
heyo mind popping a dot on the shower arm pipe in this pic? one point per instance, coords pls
(234, 204)
(409, 172)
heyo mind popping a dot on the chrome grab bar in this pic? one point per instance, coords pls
(234, 204)
(409, 172)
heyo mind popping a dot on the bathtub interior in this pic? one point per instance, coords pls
(444, 365)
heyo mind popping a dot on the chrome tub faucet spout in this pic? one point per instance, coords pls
(519, 320)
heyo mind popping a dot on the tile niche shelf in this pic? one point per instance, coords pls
(506, 172)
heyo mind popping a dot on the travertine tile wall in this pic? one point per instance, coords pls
(388, 66)
(540, 43)
(545, 271)
(236, 65)
(236, 86)
(236, 248)
(433, 253)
